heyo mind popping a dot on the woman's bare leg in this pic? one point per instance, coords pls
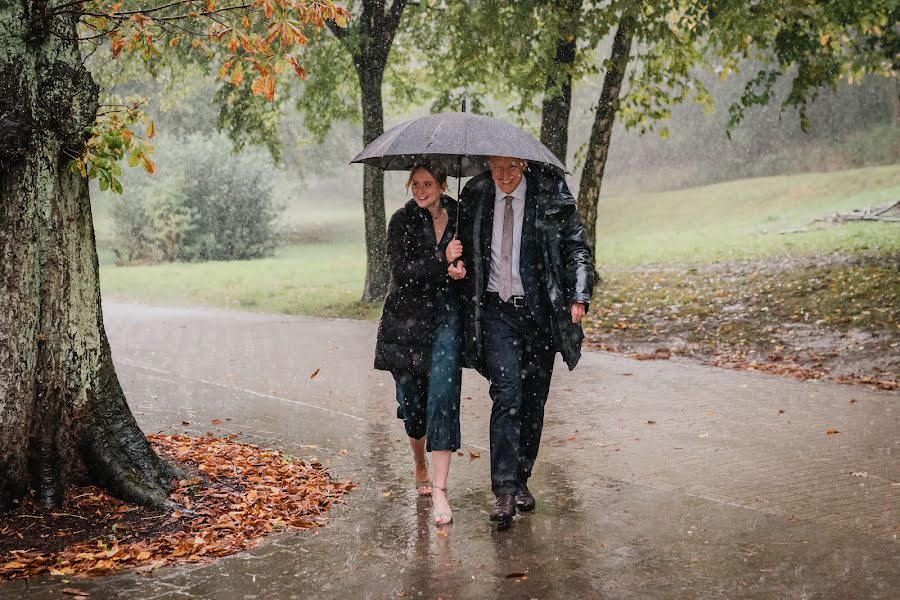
(441, 461)
(418, 451)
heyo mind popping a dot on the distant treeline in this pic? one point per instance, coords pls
(853, 126)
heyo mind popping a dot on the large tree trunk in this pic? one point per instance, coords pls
(369, 40)
(63, 416)
(377, 272)
(601, 132)
(558, 88)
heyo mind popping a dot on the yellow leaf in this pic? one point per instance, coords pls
(270, 87)
(256, 88)
(237, 75)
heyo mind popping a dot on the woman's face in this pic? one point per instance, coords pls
(425, 190)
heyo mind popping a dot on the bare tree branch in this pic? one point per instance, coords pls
(125, 16)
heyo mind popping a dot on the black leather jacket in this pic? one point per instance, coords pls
(555, 262)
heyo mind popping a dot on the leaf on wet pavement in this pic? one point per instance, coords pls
(518, 575)
(216, 422)
(832, 431)
(473, 455)
(314, 373)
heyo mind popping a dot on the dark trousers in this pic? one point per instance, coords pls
(518, 360)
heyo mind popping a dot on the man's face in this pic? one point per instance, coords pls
(506, 172)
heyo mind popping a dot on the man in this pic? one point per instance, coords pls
(530, 277)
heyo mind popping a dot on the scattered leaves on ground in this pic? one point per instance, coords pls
(239, 493)
(830, 317)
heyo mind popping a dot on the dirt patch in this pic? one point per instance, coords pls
(237, 494)
(830, 317)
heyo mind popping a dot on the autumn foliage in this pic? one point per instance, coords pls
(239, 494)
(254, 42)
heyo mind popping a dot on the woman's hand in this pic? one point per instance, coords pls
(457, 271)
(454, 250)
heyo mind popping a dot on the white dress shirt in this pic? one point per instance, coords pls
(518, 207)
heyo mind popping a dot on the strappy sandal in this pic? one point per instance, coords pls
(442, 518)
(423, 488)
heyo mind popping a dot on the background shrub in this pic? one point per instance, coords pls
(204, 203)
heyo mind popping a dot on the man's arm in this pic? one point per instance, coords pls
(578, 262)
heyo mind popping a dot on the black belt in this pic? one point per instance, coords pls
(514, 301)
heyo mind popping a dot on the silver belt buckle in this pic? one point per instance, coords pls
(518, 301)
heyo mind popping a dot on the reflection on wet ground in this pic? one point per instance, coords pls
(721, 496)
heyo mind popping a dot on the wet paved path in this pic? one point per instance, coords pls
(655, 480)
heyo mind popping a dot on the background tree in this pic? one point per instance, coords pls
(557, 103)
(367, 43)
(62, 410)
(514, 57)
(669, 44)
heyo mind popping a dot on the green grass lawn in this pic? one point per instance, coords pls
(728, 221)
(320, 279)
(742, 219)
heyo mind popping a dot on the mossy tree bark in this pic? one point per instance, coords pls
(63, 415)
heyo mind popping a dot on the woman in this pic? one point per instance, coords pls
(419, 335)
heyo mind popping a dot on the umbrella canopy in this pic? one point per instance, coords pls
(462, 141)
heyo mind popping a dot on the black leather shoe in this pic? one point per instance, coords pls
(524, 500)
(504, 511)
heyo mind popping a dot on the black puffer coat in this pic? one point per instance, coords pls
(418, 274)
(556, 265)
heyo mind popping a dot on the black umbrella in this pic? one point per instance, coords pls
(461, 140)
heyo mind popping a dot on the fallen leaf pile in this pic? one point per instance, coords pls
(241, 493)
